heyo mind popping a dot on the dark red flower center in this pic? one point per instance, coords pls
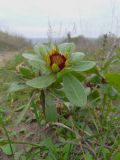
(59, 59)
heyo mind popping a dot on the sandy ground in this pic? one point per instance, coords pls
(4, 57)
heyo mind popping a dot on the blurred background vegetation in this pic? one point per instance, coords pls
(9, 42)
(12, 42)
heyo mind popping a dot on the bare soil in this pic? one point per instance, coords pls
(5, 56)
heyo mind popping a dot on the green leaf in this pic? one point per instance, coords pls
(7, 150)
(2, 141)
(88, 156)
(40, 67)
(74, 90)
(42, 82)
(62, 73)
(41, 49)
(105, 152)
(51, 111)
(78, 75)
(26, 72)
(109, 91)
(32, 57)
(36, 111)
(35, 64)
(77, 57)
(16, 86)
(116, 156)
(94, 96)
(66, 47)
(22, 114)
(66, 150)
(114, 80)
(83, 66)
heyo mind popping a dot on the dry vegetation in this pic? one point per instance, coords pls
(93, 45)
(9, 42)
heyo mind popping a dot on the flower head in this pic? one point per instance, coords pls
(56, 60)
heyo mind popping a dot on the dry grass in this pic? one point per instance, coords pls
(9, 42)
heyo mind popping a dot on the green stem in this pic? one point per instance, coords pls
(7, 135)
(20, 142)
(42, 101)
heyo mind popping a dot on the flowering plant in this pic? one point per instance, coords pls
(59, 64)
(61, 88)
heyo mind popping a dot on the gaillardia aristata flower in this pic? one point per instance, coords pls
(56, 60)
(62, 62)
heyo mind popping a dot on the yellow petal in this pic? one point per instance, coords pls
(55, 67)
(47, 59)
(67, 55)
(67, 63)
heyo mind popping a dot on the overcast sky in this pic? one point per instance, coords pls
(37, 18)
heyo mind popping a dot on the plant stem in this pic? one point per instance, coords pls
(42, 101)
(20, 142)
(7, 135)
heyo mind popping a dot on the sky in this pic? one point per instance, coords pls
(43, 18)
